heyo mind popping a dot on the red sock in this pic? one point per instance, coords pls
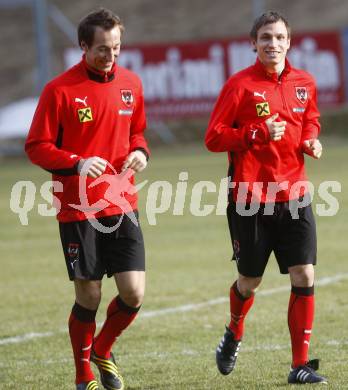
(239, 307)
(81, 330)
(300, 320)
(119, 317)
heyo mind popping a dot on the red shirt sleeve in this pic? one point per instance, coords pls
(311, 125)
(138, 126)
(43, 141)
(222, 135)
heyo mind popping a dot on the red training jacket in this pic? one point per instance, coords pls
(237, 125)
(84, 113)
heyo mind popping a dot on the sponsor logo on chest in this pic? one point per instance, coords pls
(125, 112)
(85, 113)
(298, 109)
(262, 109)
(260, 94)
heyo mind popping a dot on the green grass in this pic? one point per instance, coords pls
(187, 262)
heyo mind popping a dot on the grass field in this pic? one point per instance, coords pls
(187, 263)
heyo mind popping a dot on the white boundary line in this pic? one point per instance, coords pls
(195, 306)
(178, 309)
(163, 355)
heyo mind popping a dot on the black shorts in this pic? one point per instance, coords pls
(254, 237)
(90, 253)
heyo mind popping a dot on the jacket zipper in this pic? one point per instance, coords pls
(282, 93)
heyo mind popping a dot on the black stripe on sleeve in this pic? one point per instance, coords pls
(63, 171)
(59, 139)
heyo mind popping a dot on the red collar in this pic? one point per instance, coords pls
(97, 75)
(260, 68)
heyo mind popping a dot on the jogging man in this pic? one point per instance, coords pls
(88, 131)
(266, 118)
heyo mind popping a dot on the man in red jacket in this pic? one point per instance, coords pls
(266, 118)
(88, 131)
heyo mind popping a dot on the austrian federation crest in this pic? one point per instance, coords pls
(127, 97)
(301, 94)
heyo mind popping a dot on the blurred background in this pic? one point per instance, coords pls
(183, 51)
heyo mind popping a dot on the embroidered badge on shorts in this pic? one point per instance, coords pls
(262, 109)
(85, 114)
(73, 252)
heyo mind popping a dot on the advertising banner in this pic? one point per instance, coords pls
(184, 79)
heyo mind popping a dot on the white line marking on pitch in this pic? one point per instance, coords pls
(195, 306)
(162, 355)
(25, 337)
(178, 309)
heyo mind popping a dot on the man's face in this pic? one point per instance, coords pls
(104, 50)
(272, 45)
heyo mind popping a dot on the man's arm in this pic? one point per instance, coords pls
(221, 136)
(311, 127)
(45, 137)
(139, 151)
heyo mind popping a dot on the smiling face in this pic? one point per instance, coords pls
(271, 45)
(104, 50)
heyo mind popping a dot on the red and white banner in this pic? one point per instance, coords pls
(183, 80)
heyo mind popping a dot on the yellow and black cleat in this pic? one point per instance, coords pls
(109, 375)
(91, 385)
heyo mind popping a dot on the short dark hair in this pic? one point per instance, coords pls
(268, 17)
(103, 18)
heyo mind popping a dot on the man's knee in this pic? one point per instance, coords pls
(131, 287)
(302, 275)
(247, 286)
(93, 296)
(88, 293)
(132, 297)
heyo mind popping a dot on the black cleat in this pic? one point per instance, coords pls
(306, 374)
(227, 352)
(109, 375)
(91, 385)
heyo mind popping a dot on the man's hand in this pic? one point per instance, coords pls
(276, 129)
(136, 161)
(92, 167)
(313, 148)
